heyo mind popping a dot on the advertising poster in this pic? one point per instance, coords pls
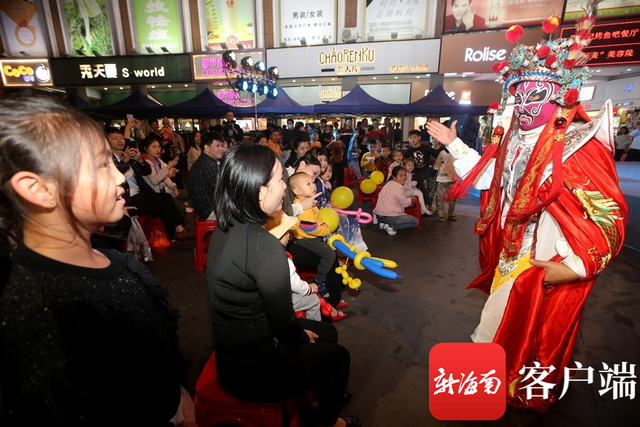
(307, 22)
(209, 66)
(481, 15)
(396, 19)
(21, 28)
(88, 26)
(158, 26)
(606, 9)
(230, 22)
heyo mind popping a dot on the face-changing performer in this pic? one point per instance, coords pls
(552, 214)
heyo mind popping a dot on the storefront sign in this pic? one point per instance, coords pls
(396, 19)
(612, 43)
(478, 52)
(606, 9)
(158, 26)
(409, 57)
(482, 15)
(21, 28)
(209, 66)
(27, 72)
(330, 93)
(307, 22)
(87, 25)
(127, 70)
(236, 98)
(230, 22)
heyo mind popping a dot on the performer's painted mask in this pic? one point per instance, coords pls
(533, 105)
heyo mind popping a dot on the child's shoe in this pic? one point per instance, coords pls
(389, 229)
(342, 304)
(338, 316)
(322, 290)
(374, 219)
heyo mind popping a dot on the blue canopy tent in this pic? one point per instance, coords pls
(205, 104)
(282, 105)
(358, 102)
(438, 103)
(79, 103)
(137, 104)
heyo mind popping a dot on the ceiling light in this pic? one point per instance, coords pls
(628, 69)
(168, 85)
(395, 77)
(186, 85)
(106, 88)
(374, 78)
(153, 87)
(293, 81)
(313, 80)
(597, 71)
(417, 77)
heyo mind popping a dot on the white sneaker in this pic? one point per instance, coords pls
(389, 229)
(374, 219)
(427, 212)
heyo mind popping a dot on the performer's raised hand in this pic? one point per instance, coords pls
(444, 134)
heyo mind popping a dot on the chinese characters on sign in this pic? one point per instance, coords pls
(157, 25)
(612, 43)
(468, 381)
(396, 19)
(310, 22)
(210, 67)
(88, 71)
(25, 72)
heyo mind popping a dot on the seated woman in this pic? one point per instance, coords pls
(299, 148)
(264, 352)
(392, 201)
(194, 149)
(159, 180)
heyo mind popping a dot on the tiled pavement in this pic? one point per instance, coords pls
(393, 324)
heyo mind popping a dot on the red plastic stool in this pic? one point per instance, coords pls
(361, 197)
(414, 210)
(203, 236)
(349, 177)
(214, 405)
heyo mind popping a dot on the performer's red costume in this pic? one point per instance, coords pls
(540, 322)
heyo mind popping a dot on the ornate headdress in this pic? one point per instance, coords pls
(550, 61)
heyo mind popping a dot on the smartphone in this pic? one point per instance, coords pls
(129, 117)
(132, 144)
(178, 153)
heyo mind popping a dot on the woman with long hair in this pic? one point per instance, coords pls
(263, 351)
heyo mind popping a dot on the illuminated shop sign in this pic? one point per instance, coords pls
(27, 72)
(112, 70)
(209, 66)
(612, 43)
(330, 93)
(476, 53)
(415, 56)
